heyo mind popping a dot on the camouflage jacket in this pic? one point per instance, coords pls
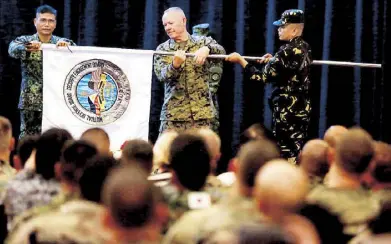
(27, 190)
(187, 93)
(354, 207)
(288, 72)
(31, 67)
(194, 225)
(74, 222)
(54, 205)
(6, 173)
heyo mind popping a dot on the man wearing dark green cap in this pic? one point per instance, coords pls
(288, 72)
(215, 68)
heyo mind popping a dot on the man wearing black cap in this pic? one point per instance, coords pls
(288, 72)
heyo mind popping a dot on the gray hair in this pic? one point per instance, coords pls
(175, 9)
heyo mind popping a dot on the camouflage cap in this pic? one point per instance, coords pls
(201, 29)
(291, 16)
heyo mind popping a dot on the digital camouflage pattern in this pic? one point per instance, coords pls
(32, 80)
(215, 73)
(54, 205)
(76, 221)
(187, 94)
(25, 191)
(181, 126)
(6, 174)
(288, 72)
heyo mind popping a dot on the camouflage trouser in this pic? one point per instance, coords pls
(181, 126)
(30, 122)
(290, 131)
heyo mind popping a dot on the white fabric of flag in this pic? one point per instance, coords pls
(87, 87)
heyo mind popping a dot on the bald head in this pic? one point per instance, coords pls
(212, 140)
(129, 196)
(251, 157)
(280, 186)
(99, 138)
(333, 134)
(313, 158)
(354, 151)
(161, 149)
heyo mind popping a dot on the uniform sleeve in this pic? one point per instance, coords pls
(17, 49)
(283, 63)
(213, 46)
(68, 40)
(163, 68)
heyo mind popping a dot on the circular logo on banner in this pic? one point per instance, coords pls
(97, 92)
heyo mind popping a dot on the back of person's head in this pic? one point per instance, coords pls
(327, 224)
(256, 132)
(280, 187)
(190, 160)
(313, 158)
(48, 151)
(381, 171)
(354, 151)
(138, 151)
(6, 140)
(129, 196)
(212, 141)
(25, 147)
(333, 134)
(99, 138)
(74, 158)
(251, 157)
(43, 9)
(161, 149)
(94, 175)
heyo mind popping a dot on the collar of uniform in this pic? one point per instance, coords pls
(189, 43)
(52, 41)
(296, 39)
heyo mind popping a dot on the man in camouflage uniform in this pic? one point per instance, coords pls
(27, 49)
(187, 97)
(288, 72)
(215, 73)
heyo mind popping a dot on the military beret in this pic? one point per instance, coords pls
(201, 29)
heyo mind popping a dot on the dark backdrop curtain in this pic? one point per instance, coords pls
(349, 30)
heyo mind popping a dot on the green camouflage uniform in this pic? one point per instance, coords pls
(76, 221)
(6, 173)
(354, 207)
(188, 99)
(215, 73)
(178, 201)
(54, 205)
(197, 224)
(30, 101)
(288, 72)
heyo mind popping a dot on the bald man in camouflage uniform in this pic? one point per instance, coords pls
(188, 99)
(215, 73)
(288, 72)
(27, 50)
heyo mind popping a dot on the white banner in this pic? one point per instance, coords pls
(91, 87)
